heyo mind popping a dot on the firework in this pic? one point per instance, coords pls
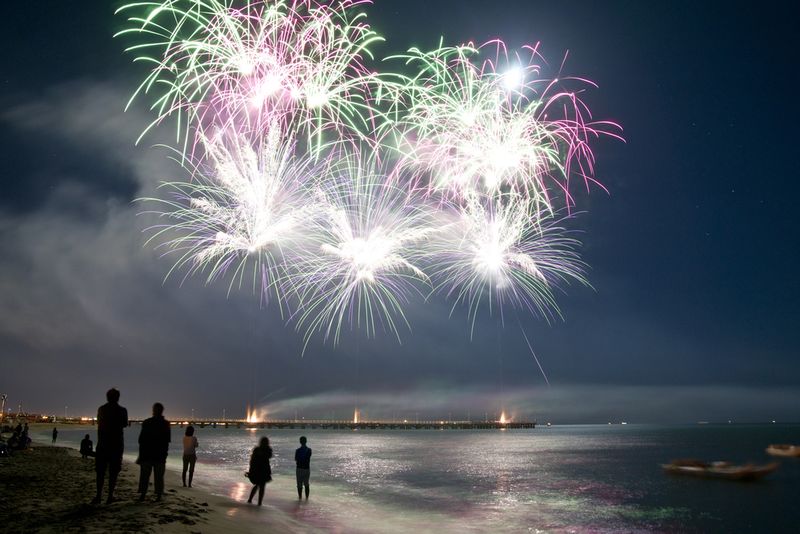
(496, 253)
(362, 266)
(341, 192)
(241, 214)
(242, 68)
(493, 126)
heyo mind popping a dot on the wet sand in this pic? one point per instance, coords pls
(48, 489)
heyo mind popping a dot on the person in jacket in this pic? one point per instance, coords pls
(260, 472)
(111, 421)
(154, 442)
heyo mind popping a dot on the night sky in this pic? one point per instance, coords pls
(693, 251)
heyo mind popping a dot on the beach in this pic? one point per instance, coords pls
(571, 478)
(48, 489)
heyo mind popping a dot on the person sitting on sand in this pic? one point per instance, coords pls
(154, 442)
(111, 421)
(20, 440)
(14, 442)
(86, 447)
(189, 454)
(260, 472)
(302, 456)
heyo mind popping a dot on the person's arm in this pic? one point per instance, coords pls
(253, 463)
(196, 443)
(125, 421)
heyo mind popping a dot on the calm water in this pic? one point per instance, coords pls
(559, 479)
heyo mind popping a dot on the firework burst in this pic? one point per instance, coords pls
(496, 253)
(362, 266)
(298, 62)
(340, 192)
(492, 126)
(241, 214)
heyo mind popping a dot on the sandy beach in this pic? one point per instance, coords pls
(48, 489)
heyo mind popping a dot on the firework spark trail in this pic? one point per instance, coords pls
(242, 214)
(535, 358)
(363, 264)
(299, 62)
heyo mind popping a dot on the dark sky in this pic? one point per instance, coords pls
(693, 253)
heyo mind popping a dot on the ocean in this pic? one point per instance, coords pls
(581, 478)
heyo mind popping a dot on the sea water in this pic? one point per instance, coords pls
(593, 478)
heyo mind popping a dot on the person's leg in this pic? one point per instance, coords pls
(158, 476)
(192, 461)
(303, 476)
(261, 492)
(100, 470)
(185, 467)
(299, 476)
(252, 493)
(114, 467)
(144, 478)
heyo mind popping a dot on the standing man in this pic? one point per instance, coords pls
(111, 421)
(302, 456)
(55, 435)
(153, 447)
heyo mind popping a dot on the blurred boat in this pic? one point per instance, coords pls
(783, 450)
(724, 470)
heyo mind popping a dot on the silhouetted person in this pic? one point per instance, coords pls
(260, 472)
(189, 454)
(111, 421)
(86, 447)
(55, 435)
(302, 456)
(15, 441)
(153, 447)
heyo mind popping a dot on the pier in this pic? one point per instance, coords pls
(327, 424)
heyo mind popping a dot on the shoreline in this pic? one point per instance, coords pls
(48, 488)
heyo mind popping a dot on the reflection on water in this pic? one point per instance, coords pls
(563, 479)
(239, 491)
